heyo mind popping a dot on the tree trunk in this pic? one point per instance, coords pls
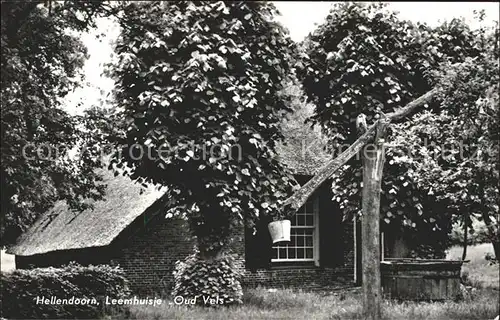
(466, 231)
(212, 234)
(209, 249)
(373, 164)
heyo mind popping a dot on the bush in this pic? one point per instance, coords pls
(476, 235)
(83, 289)
(209, 283)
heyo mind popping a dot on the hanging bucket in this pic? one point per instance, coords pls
(280, 230)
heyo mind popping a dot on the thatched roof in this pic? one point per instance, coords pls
(123, 203)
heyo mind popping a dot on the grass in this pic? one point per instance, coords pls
(289, 304)
(480, 273)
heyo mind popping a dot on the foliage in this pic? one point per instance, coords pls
(40, 64)
(21, 288)
(492, 260)
(303, 148)
(364, 59)
(197, 85)
(477, 234)
(212, 283)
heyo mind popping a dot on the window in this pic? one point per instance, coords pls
(303, 245)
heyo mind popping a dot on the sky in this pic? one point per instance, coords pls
(299, 17)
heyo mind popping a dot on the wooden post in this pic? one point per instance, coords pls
(373, 163)
(300, 196)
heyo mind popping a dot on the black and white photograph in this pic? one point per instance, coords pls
(244, 160)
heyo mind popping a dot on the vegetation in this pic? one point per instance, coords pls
(210, 283)
(476, 235)
(289, 304)
(22, 288)
(364, 59)
(199, 92)
(40, 64)
(479, 272)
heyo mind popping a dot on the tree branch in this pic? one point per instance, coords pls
(300, 197)
(410, 107)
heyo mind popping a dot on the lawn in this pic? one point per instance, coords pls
(290, 304)
(480, 273)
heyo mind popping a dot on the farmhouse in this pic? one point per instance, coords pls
(129, 228)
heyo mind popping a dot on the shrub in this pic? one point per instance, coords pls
(21, 288)
(476, 235)
(209, 283)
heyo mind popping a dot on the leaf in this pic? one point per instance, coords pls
(195, 54)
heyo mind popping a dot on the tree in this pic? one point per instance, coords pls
(304, 147)
(365, 60)
(198, 86)
(40, 64)
(468, 132)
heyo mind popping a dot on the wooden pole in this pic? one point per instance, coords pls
(297, 200)
(466, 232)
(373, 163)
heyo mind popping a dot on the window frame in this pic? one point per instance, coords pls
(315, 237)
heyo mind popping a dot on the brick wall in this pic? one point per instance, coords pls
(148, 256)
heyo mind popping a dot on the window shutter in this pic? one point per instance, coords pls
(330, 229)
(258, 247)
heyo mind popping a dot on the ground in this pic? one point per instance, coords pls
(288, 304)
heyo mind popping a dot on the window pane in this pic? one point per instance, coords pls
(300, 241)
(309, 241)
(291, 253)
(300, 253)
(309, 253)
(275, 254)
(309, 220)
(301, 220)
(282, 253)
